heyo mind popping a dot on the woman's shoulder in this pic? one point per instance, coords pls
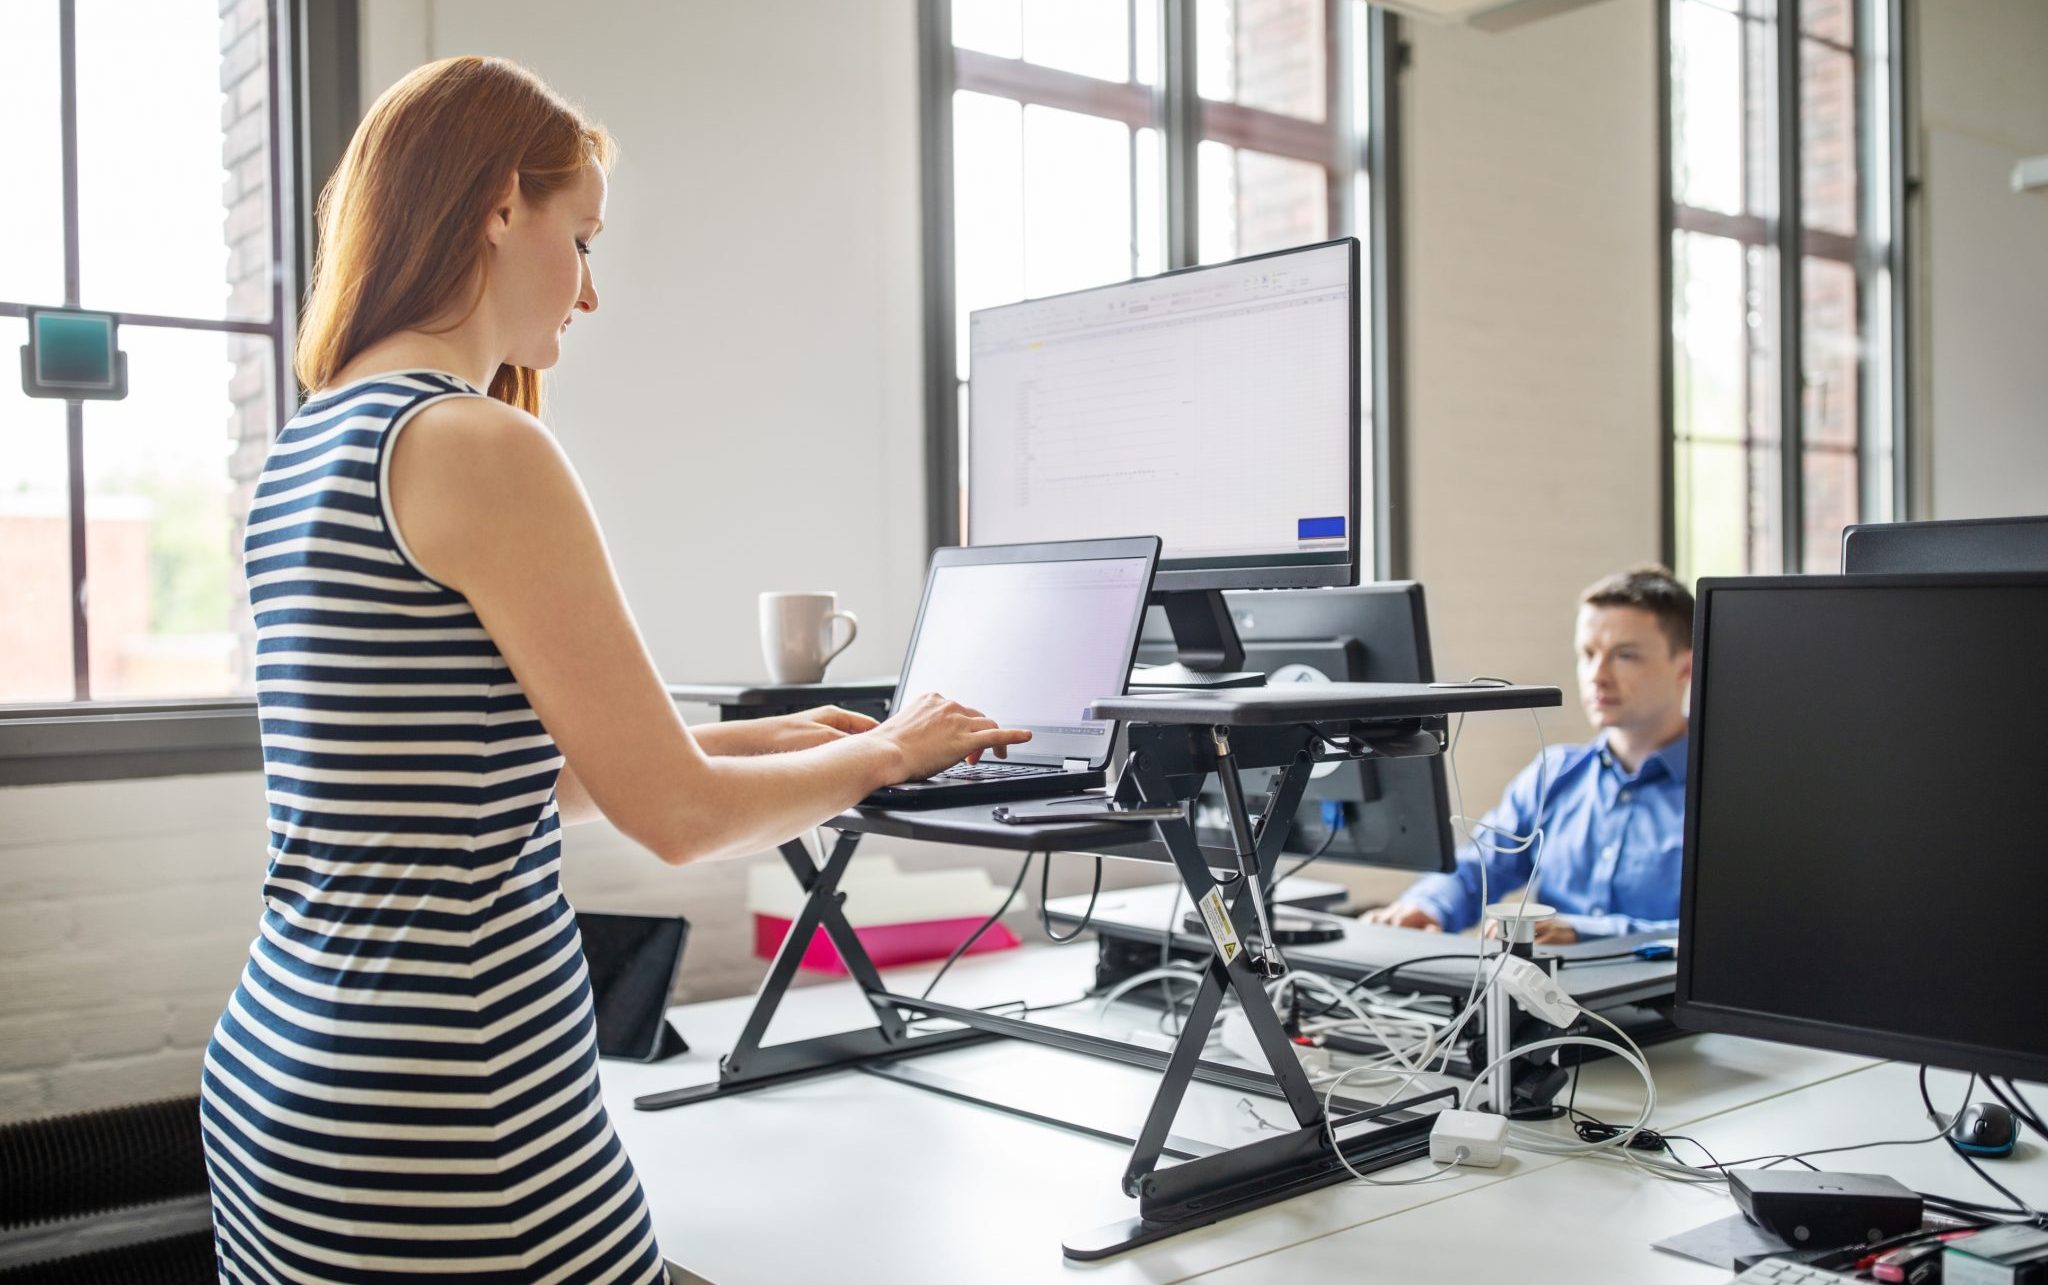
(472, 474)
(478, 414)
(477, 443)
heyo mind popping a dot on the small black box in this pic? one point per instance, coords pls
(1821, 1210)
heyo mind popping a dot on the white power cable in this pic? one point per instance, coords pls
(1330, 1130)
(1170, 973)
(1317, 982)
(1439, 1045)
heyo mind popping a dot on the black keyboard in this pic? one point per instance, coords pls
(966, 783)
(992, 771)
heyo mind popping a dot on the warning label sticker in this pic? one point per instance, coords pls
(1217, 916)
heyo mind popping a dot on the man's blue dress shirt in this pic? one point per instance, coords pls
(1611, 845)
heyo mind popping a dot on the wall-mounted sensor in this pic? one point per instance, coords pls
(73, 356)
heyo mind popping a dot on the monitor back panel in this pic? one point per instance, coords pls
(1397, 810)
(1970, 545)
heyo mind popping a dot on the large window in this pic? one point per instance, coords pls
(1783, 272)
(1087, 141)
(143, 180)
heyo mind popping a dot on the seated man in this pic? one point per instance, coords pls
(1613, 811)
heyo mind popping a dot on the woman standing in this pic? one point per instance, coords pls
(405, 1081)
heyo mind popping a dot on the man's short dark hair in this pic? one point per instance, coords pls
(1649, 588)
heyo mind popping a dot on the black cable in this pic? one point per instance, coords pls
(1967, 1208)
(1567, 962)
(2016, 1104)
(986, 924)
(1800, 1156)
(1594, 1129)
(2034, 1117)
(1591, 1128)
(1997, 1186)
(1030, 1008)
(1377, 974)
(1312, 857)
(1044, 887)
(1023, 1007)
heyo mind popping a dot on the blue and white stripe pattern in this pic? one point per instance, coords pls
(405, 1082)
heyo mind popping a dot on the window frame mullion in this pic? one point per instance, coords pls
(1180, 105)
(1791, 295)
(74, 410)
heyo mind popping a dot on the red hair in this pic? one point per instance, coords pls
(402, 220)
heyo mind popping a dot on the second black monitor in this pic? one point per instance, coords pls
(1861, 864)
(1395, 813)
(1949, 547)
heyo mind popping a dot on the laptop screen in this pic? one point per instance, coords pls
(1031, 644)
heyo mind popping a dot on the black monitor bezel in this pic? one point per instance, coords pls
(1312, 570)
(1865, 1041)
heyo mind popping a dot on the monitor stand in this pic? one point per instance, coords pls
(1211, 654)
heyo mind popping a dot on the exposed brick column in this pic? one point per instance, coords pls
(246, 202)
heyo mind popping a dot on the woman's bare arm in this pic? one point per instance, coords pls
(490, 506)
(572, 800)
(746, 736)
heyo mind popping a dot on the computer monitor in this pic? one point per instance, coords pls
(1970, 544)
(1216, 407)
(1393, 813)
(1860, 861)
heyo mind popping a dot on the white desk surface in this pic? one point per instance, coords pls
(852, 1178)
(1593, 1221)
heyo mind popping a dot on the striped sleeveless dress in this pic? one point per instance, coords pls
(404, 1084)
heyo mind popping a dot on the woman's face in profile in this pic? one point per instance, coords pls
(540, 270)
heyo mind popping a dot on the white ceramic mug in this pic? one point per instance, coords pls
(796, 634)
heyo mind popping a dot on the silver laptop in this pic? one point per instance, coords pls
(1029, 634)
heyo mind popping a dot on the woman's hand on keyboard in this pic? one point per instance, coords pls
(800, 731)
(932, 733)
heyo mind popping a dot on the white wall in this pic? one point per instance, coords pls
(746, 406)
(1533, 427)
(1983, 270)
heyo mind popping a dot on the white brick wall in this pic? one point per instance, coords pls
(126, 909)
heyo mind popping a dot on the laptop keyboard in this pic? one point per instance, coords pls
(992, 771)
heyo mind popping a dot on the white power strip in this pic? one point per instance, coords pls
(1538, 991)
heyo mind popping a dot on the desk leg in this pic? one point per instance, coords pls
(1173, 1085)
(750, 1066)
(1207, 1189)
(833, 921)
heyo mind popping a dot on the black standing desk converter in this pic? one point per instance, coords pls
(1175, 741)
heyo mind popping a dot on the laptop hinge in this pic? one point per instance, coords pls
(1074, 765)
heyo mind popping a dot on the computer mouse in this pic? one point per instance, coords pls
(1984, 1129)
